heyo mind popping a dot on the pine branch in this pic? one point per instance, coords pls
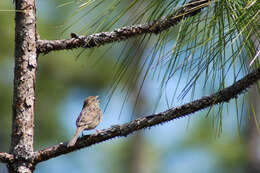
(149, 121)
(6, 157)
(188, 10)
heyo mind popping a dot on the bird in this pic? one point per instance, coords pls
(88, 119)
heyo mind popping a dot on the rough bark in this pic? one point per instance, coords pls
(6, 157)
(190, 9)
(124, 130)
(24, 86)
(22, 158)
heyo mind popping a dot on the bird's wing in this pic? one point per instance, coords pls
(88, 116)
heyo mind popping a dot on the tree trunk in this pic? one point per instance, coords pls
(24, 86)
(253, 165)
(253, 136)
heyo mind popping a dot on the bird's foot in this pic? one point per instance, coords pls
(82, 134)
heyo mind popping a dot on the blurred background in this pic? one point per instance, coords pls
(202, 143)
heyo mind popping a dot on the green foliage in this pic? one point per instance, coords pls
(206, 48)
(212, 43)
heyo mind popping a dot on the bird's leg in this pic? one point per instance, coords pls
(97, 131)
(82, 134)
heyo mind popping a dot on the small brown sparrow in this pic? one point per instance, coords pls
(89, 117)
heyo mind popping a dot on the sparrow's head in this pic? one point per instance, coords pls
(91, 100)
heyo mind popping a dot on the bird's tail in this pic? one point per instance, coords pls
(75, 137)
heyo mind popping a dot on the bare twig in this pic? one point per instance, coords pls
(6, 157)
(148, 121)
(124, 33)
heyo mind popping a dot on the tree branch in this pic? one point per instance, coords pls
(6, 157)
(190, 9)
(148, 121)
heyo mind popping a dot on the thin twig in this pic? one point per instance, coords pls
(190, 9)
(148, 121)
(6, 157)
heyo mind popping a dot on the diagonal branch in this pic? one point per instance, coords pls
(190, 9)
(6, 157)
(148, 121)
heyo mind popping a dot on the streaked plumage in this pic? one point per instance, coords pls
(89, 118)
